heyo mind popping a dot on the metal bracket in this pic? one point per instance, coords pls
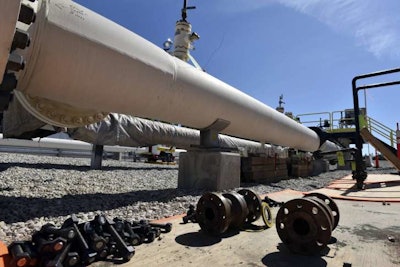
(209, 135)
(97, 157)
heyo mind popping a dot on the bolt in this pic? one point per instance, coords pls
(15, 62)
(66, 232)
(99, 116)
(72, 259)
(20, 257)
(77, 120)
(26, 15)
(21, 39)
(134, 239)
(151, 236)
(90, 119)
(9, 82)
(87, 255)
(167, 227)
(124, 251)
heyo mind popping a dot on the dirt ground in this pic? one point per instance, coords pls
(368, 234)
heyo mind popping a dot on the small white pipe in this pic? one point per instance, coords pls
(56, 143)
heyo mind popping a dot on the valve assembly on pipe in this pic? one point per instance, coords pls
(80, 66)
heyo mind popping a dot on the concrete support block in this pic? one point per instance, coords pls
(209, 170)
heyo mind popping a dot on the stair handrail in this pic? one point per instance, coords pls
(383, 130)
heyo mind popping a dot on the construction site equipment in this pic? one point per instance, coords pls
(353, 126)
(341, 125)
(216, 213)
(305, 224)
(141, 71)
(80, 244)
(360, 174)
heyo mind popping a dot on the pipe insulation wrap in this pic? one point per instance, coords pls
(80, 58)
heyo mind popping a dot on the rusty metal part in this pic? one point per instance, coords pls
(216, 212)
(329, 201)
(166, 227)
(239, 209)
(19, 256)
(80, 244)
(304, 225)
(326, 208)
(190, 215)
(213, 213)
(254, 204)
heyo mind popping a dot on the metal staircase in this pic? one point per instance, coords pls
(386, 135)
(384, 148)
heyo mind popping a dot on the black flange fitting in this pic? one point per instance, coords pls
(216, 212)
(305, 225)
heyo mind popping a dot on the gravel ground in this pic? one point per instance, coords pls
(35, 190)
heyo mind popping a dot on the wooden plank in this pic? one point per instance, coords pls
(251, 161)
(270, 167)
(257, 175)
(264, 176)
(300, 170)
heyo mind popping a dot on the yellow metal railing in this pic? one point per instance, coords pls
(375, 127)
(315, 119)
(337, 121)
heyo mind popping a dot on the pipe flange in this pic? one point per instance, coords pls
(326, 208)
(331, 204)
(213, 212)
(9, 12)
(254, 205)
(239, 209)
(58, 114)
(303, 226)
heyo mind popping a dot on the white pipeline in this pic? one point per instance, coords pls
(82, 59)
(62, 144)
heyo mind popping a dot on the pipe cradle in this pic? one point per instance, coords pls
(82, 61)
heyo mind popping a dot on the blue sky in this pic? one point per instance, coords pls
(307, 50)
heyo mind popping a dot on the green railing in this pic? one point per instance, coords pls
(377, 128)
(340, 121)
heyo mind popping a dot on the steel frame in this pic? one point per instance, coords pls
(360, 174)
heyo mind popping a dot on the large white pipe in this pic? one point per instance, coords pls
(82, 59)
